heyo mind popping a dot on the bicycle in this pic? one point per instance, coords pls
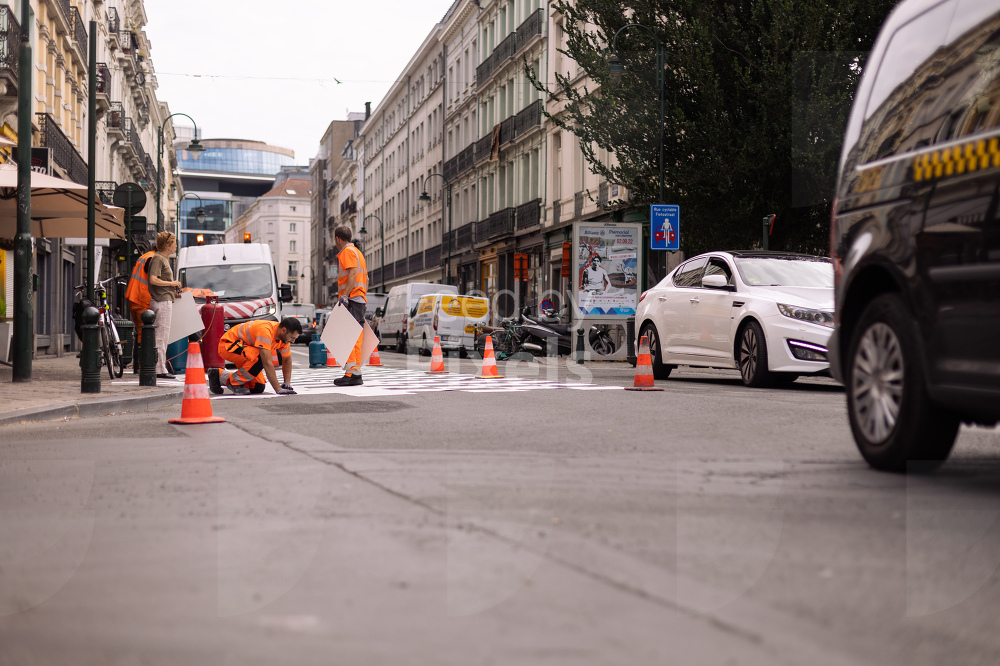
(506, 338)
(111, 344)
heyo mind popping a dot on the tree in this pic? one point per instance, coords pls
(757, 97)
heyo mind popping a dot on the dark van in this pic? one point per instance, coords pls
(915, 235)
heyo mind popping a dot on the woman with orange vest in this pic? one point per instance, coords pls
(352, 287)
(137, 295)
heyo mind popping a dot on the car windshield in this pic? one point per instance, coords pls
(786, 271)
(237, 282)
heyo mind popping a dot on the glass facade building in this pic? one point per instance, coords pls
(227, 177)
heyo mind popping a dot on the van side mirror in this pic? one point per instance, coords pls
(379, 312)
(285, 293)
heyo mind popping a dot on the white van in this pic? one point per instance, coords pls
(242, 275)
(451, 317)
(402, 299)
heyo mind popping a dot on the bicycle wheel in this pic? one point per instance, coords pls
(106, 349)
(115, 346)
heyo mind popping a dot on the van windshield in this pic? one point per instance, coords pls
(235, 282)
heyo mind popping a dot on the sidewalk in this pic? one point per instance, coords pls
(54, 393)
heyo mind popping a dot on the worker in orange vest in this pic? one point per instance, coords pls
(137, 295)
(352, 288)
(249, 347)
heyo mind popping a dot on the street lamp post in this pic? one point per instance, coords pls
(426, 198)
(381, 233)
(617, 70)
(195, 148)
(312, 279)
(199, 216)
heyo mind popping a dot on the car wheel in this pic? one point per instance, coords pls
(660, 371)
(892, 417)
(423, 350)
(751, 356)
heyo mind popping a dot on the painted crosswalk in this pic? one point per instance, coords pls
(393, 381)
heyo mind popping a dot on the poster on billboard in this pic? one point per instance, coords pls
(607, 265)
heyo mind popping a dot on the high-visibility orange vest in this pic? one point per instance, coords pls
(351, 257)
(138, 286)
(259, 333)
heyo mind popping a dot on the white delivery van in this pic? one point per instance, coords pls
(451, 317)
(242, 275)
(401, 300)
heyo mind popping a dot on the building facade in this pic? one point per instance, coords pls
(280, 217)
(225, 180)
(129, 116)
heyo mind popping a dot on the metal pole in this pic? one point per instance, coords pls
(91, 158)
(159, 179)
(663, 113)
(90, 360)
(128, 232)
(448, 264)
(147, 349)
(24, 340)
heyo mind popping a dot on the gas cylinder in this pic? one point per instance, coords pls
(317, 353)
(213, 316)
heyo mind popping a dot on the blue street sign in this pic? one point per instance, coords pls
(665, 227)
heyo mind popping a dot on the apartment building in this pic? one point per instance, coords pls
(129, 116)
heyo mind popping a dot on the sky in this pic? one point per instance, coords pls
(268, 71)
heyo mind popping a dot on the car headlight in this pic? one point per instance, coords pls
(264, 310)
(821, 317)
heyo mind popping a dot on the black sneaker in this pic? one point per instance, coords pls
(348, 380)
(239, 390)
(214, 385)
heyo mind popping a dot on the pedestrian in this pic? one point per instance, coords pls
(162, 290)
(137, 295)
(249, 347)
(352, 289)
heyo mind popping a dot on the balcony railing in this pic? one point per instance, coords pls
(79, 30)
(496, 60)
(529, 28)
(529, 214)
(528, 118)
(103, 79)
(501, 223)
(400, 268)
(482, 150)
(465, 159)
(64, 7)
(106, 191)
(463, 236)
(507, 130)
(63, 152)
(432, 256)
(450, 169)
(481, 231)
(10, 44)
(116, 116)
(114, 24)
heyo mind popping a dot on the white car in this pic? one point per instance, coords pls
(767, 314)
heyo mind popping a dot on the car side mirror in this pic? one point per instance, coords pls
(379, 312)
(285, 293)
(715, 281)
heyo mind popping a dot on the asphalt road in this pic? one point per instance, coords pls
(704, 524)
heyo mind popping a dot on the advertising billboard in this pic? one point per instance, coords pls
(606, 266)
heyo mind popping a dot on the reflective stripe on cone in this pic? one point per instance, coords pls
(643, 369)
(197, 406)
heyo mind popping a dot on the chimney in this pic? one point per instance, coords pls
(368, 110)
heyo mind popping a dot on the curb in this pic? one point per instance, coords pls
(92, 408)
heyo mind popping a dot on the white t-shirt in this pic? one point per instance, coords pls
(594, 278)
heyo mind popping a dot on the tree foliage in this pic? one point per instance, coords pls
(757, 96)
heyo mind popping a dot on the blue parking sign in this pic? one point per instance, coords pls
(665, 227)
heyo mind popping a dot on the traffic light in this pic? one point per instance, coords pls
(520, 266)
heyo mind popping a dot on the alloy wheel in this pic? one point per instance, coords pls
(748, 354)
(877, 376)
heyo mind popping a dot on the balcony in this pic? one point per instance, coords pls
(106, 191)
(401, 268)
(64, 8)
(432, 256)
(529, 214)
(530, 28)
(10, 46)
(450, 169)
(483, 146)
(481, 232)
(78, 32)
(501, 223)
(114, 27)
(103, 84)
(502, 54)
(349, 207)
(115, 120)
(63, 152)
(528, 118)
(465, 159)
(507, 130)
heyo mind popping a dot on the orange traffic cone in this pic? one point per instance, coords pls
(437, 359)
(197, 407)
(489, 369)
(331, 362)
(374, 360)
(643, 369)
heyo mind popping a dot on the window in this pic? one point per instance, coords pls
(291, 246)
(689, 275)
(291, 226)
(293, 207)
(718, 266)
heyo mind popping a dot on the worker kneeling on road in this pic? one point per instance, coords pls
(249, 347)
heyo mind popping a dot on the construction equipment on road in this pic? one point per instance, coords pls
(197, 406)
(643, 369)
(489, 369)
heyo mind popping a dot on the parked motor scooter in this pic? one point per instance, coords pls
(539, 331)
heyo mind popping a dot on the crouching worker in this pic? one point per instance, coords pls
(249, 347)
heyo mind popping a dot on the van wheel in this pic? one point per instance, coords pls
(893, 420)
(401, 343)
(424, 351)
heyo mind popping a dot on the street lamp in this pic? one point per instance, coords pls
(312, 279)
(618, 69)
(426, 198)
(364, 237)
(195, 148)
(381, 232)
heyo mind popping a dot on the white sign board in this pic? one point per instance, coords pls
(185, 318)
(340, 333)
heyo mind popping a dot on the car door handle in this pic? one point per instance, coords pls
(663, 298)
(694, 299)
